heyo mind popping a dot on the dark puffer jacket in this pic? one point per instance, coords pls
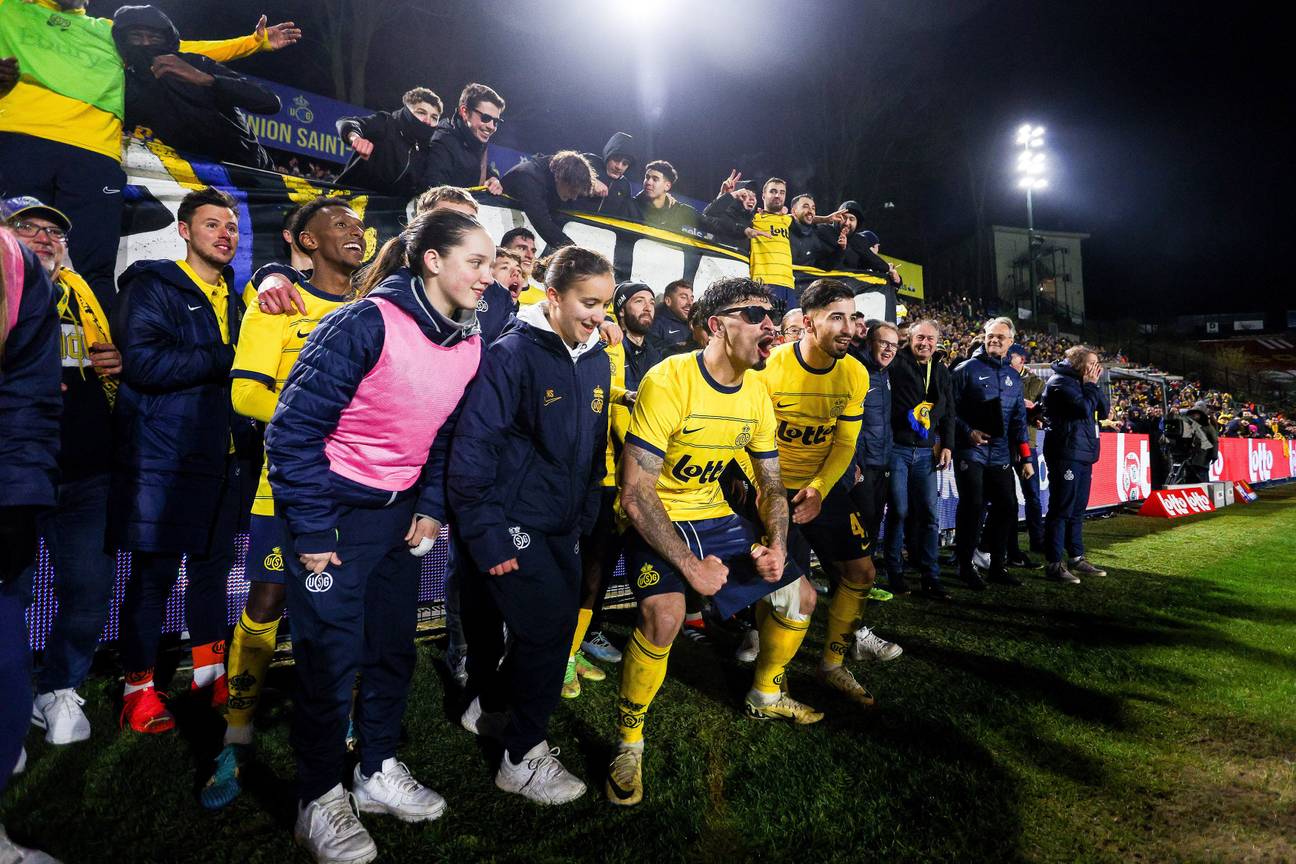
(983, 378)
(1073, 408)
(454, 156)
(173, 420)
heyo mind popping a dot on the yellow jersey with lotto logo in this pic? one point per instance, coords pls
(818, 411)
(771, 257)
(698, 427)
(268, 347)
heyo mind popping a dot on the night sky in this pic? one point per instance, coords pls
(1162, 118)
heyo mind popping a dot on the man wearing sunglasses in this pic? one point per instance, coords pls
(694, 413)
(457, 154)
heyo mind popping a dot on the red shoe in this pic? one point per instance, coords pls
(144, 711)
(220, 692)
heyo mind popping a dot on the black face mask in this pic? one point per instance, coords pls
(413, 127)
(140, 57)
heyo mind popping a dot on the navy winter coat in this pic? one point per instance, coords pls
(30, 401)
(338, 354)
(454, 155)
(981, 378)
(531, 183)
(529, 450)
(1073, 409)
(173, 419)
(873, 447)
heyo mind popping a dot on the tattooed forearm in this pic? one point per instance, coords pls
(639, 472)
(773, 500)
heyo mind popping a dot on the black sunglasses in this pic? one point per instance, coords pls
(753, 314)
(487, 118)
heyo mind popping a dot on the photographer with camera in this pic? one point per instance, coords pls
(1192, 443)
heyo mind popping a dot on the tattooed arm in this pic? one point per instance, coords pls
(774, 516)
(640, 469)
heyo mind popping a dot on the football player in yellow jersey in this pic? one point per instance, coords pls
(693, 414)
(332, 235)
(818, 392)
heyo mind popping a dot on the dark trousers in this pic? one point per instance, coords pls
(356, 617)
(869, 497)
(538, 602)
(1068, 499)
(600, 550)
(153, 575)
(978, 485)
(15, 675)
(86, 186)
(83, 581)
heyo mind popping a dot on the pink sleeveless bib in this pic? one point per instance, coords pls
(383, 437)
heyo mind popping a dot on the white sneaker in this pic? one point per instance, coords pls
(749, 647)
(539, 776)
(981, 560)
(330, 831)
(870, 646)
(12, 853)
(59, 714)
(21, 765)
(479, 722)
(395, 792)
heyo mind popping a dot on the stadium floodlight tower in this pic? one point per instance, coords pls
(1030, 170)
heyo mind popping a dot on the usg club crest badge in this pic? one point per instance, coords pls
(521, 539)
(648, 576)
(318, 583)
(744, 437)
(596, 404)
(482, 305)
(838, 406)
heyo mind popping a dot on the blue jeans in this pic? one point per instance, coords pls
(83, 581)
(913, 494)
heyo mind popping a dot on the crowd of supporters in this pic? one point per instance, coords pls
(553, 420)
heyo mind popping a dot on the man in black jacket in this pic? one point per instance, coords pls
(613, 196)
(187, 101)
(670, 324)
(542, 185)
(922, 427)
(390, 146)
(814, 244)
(457, 153)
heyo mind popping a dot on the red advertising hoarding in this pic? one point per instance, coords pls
(1254, 460)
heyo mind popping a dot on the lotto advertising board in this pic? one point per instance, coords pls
(1254, 460)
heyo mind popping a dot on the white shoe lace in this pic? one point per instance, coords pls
(870, 641)
(342, 816)
(66, 702)
(400, 779)
(624, 766)
(598, 640)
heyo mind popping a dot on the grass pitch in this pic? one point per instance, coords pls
(1149, 715)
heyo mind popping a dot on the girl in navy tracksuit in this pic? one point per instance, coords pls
(357, 452)
(30, 404)
(528, 460)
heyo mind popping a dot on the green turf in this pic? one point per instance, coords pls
(1146, 716)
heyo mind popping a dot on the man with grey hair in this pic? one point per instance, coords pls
(922, 430)
(992, 437)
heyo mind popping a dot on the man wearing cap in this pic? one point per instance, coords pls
(1197, 468)
(74, 528)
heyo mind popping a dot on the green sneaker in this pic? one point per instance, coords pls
(571, 681)
(878, 594)
(224, 786)
(586, 669)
